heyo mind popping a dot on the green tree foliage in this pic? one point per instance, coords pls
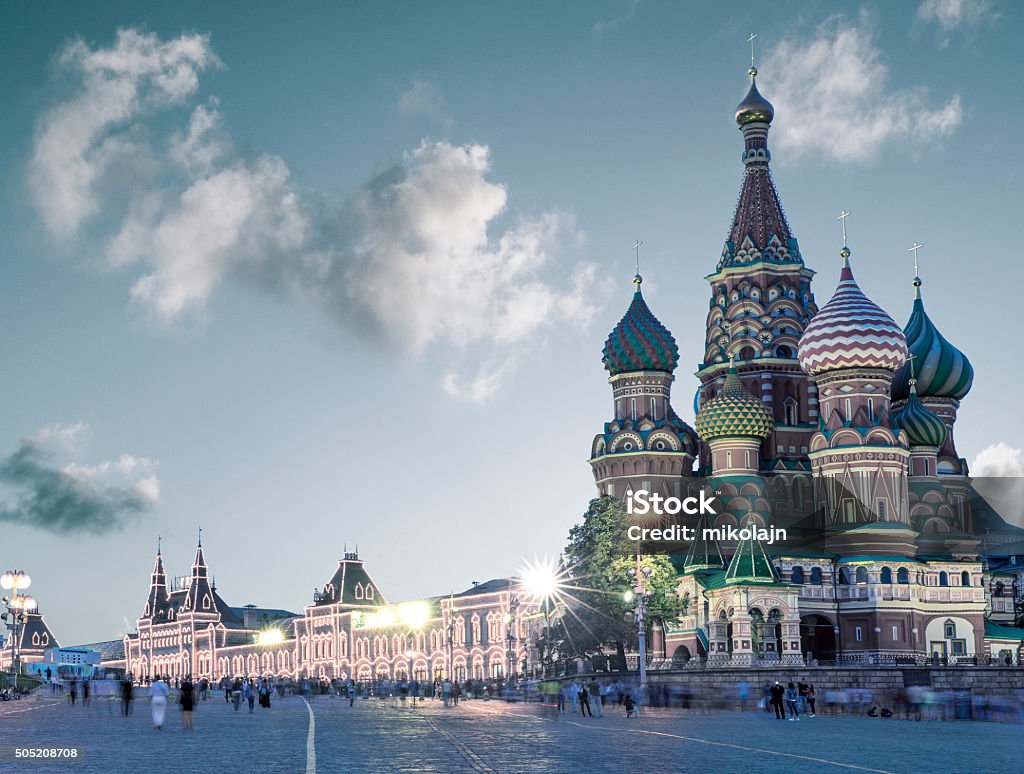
(598, 557)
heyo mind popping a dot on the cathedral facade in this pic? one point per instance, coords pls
(833, 423)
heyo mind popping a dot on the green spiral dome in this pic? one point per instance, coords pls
(734, 412)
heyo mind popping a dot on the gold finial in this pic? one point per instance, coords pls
(752, 72)
(845, 252)
(917, 273)
(637, 279)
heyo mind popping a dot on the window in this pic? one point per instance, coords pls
(816, 575)
(632, 409)
(746, 459)
(895, 633)
(797, 575)
(849, 411)
(949, 629)
(862, 575)
(943, 578)
(885, 576)
(844, 576)
(858, 634)
(728, 459)
(965, 578)
(902, 575)
(654, 410)
(790, 412)
(881, 509)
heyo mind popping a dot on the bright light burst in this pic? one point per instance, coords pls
(542, 579)
(270, 637)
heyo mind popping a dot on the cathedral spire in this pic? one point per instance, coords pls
(157, 601)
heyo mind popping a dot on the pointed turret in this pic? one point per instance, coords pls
(704, 553)
(750, 563)
(156, 604)
(200, 598)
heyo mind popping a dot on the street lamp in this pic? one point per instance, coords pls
(18, 606)
(510, 635)
(640, 594)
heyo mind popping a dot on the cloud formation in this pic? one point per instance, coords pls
(997, 461)
(833, 97)
(425, 98)
(424, 254)
(955, 14)
(601, 27)
(73, 498)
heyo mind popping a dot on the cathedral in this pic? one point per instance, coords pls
(833, 423)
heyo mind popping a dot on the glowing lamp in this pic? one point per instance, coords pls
(414, 614)
(28, 604)
(22, 580)
(7, 580)
(270, 637)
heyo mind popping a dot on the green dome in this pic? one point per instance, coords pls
(734, 412)
(941, 370)
(640, 342)
(923, 428)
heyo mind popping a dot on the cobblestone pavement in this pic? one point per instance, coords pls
(482, 736)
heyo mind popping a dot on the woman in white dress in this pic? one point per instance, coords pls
(158, 702)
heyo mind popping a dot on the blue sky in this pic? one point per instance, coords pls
(322, 274)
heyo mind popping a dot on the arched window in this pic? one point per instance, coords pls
(844, 576)
(902, 575)
(816, 575)
(797, 575)
(886, 575)
(862, 575)
(943, 578)
(965, 578)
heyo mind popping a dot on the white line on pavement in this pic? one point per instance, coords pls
(310, 741)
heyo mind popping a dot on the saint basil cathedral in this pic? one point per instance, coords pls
(834, 424)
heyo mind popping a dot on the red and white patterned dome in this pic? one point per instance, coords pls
(851, 331)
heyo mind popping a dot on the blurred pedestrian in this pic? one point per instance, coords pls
(776, 693)
(584, 698)
(187, 700)
(791, 701)
(596, 697)
(126, 696)
(250, 694)
(158, 693)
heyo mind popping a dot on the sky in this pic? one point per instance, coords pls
(318, 275)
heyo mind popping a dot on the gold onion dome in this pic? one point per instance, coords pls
(754, 107)
(734, 412)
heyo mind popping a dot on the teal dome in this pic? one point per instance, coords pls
(640, 342)
(941, 370)
(923, 428)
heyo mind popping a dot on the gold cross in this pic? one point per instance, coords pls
(842, 217)
(913, 249)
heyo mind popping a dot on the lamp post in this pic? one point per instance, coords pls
(18, 607)
(641, 594)
(510, 635)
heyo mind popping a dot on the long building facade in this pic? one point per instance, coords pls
(349, 630)
(835, 424)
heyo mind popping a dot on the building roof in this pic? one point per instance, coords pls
(750, 563)
(703, 553)
(997, 632)
(851, 331)
(640, 342)
(734, 412)
(492, 586)
(350, 585)
(941, 370)
(754, 107)
(923, 428)
(109, 650)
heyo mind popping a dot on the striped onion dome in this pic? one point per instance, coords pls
(851, 331)
(942, 370)
(734, 412)
(640, 342)
(923, 428)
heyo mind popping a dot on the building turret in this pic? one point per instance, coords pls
(851, 349)
(199, 598)
(157, 602)
(761, 301)
(646, 445)
(943, 374)
(703, 553)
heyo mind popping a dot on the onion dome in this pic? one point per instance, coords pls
(640, 342)
(754, 107)
(942, 370)
(851, 331)
(923, 428)
(734, 412)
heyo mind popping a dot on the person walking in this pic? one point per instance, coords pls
(596, 697)
(776, 694)
(250, 694)
(810, 699)
(574, 697)
(72, 691)
(584, 697)
(85, 693)
(791, 700)
(158, 693)
(351, 690)
(126, 696)
(236, 693)
(187, 701)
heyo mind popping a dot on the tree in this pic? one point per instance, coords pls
(598, 557)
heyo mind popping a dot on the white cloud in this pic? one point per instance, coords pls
(997, 461)
(833, 97)
(956, 14)
(425, 98)
(482, 386)
(425, 254)
(625, 17)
